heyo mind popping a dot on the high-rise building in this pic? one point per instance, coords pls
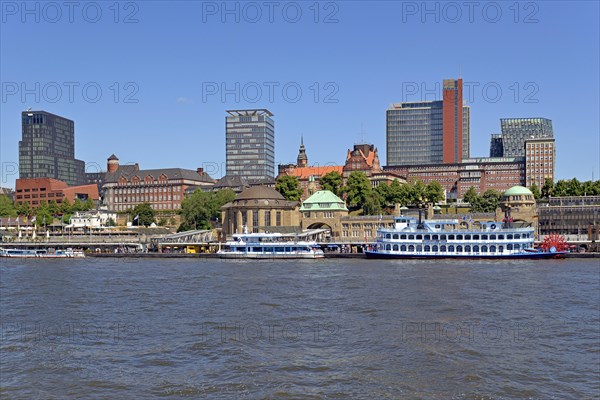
(429, 131)
(539, 161)
(496, 146)
(516, 130)
(250, 144)
(47, 148)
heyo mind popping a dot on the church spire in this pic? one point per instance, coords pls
(302, 160)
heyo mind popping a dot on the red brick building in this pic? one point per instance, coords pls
(452, 121)
(37, 190)
(126, 186)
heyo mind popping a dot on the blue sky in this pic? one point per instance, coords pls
(161, 68)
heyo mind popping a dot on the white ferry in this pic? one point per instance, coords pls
(41, 253)
(269, 246)
(410, 238)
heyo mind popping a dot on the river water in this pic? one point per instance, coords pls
(324, 329)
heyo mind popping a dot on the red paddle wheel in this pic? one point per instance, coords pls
(556, 241)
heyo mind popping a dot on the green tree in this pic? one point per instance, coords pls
(201, 208)
(488, 202)
(574, 187)
(416, 191)
(111, 222)
(53, 207)
(88, 204)
(561, 188)
(7, 207)
(434, 192)
(471, 196)
(24, 209)
(66, 207)
(358, 189)
(43, 216)
(548, 188)
(383, 194)
(535, 191)
(289, 187)
(78, 205)
(372, 204)
(399, 193)
(144, 213)
(333, 182)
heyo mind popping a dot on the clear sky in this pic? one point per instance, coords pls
(167, 71)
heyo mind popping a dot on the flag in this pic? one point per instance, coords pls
(136, 217)
(33, 219)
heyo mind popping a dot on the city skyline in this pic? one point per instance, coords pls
(347, 80)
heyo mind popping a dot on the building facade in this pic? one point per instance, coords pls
(515, 131)
(126, 186)
(323, 210)
(250, 144)
(47, 148)
(480, 173)
(540, 155)
(429, 131)
(571, 215)
(260, 209)
(36, 191)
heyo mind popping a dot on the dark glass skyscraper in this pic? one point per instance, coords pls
(250, 144)
(47, 148)
(515, 131)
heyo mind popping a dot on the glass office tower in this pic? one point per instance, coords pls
(515, 131)
(47, 148)
(250, 144)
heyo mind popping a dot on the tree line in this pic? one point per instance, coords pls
(46, 212)
(565, 187)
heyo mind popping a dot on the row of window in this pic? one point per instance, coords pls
(509, 236)
(452, 249)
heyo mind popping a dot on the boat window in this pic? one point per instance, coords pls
(484, 249)
(256, 249)
(467, 249)
(442, 237)
(475, 249)
(484, 237)
(509, 237)
(268, 249)
(443, 249)
(501, 249)
(509, 246)
(492, 249)
(395, 248)
(427, 249)
(388, 236)
(411, 237)
(395, 236)
(437, 226)
(435, 237)
(403, 248)
(459, 237)
(492, 237)
(388, 247)
(451, 249)
(403, 237)
(427, 237)
(475, 237)
(419, 237)
(459, 249)
(411, 248)
(288, 249)
(435, 249)
(419, 248)
(467, 237)
(450, 237)
(500, 237)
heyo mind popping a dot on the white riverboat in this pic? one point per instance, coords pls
(410, 238)
(270, 245)
(41, 253)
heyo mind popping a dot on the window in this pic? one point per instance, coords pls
(484, 249)
(395, 236)
(475, 249)
(459, 249)
(467, 249)
(395, 247)
(403, 247)
(443, 249)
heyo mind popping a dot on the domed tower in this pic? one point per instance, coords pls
(518, 204)
(112, 164)
(302, 160)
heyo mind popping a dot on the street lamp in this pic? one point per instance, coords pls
(420, 205)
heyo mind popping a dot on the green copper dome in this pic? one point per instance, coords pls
(518, 191)
(323, 200)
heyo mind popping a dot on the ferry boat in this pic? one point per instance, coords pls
(412, 238)
(269, 246)
(41, 253)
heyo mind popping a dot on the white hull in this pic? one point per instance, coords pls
(266, 256)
